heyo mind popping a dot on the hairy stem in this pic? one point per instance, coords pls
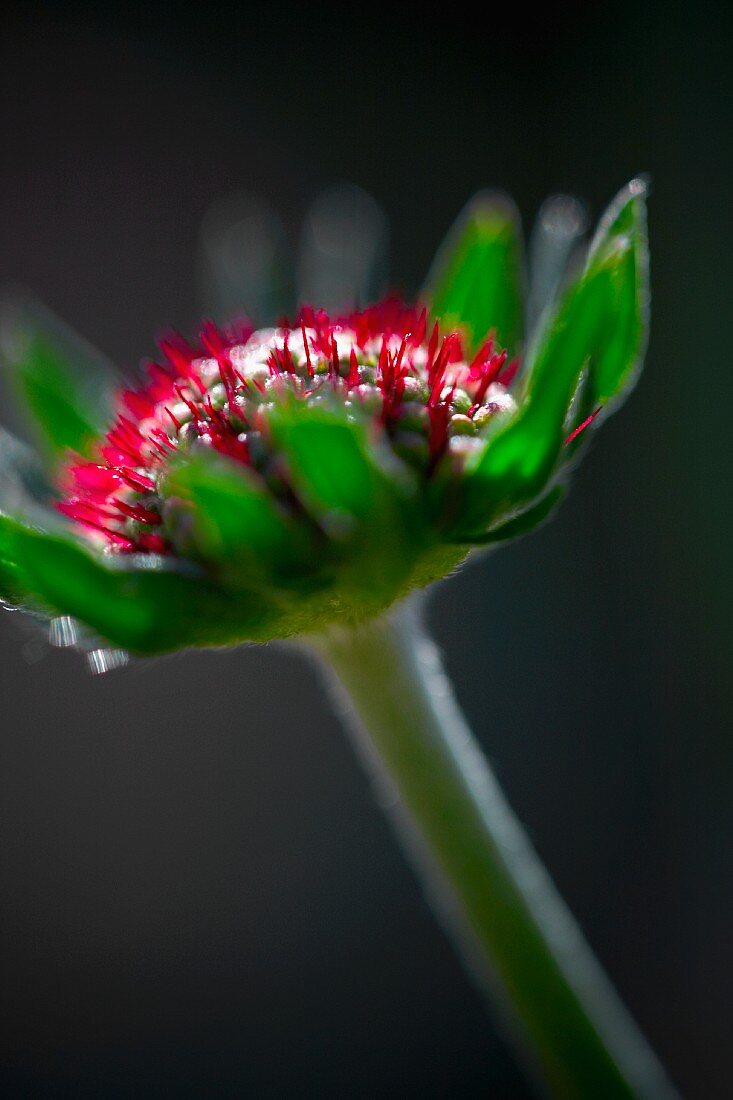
(488, 886)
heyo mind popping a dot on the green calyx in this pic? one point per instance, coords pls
(356, 488)
(588, 358)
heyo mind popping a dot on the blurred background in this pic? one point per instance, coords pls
(198, 893)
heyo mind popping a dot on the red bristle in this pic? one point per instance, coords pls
(139, 482)
(398, 368)
(97, 480)
(215, 416)
(286, 356)
(191, 405)
(174, 419)
(433, 346)
(161, 383)
(231, 446)
(436, 374)
(213, 342)
(162, 438)
(137, 512)
(120, 451)
(418, 336)
(152, 543)
(483, 354)
(509, 373)
(353, 376)
(581, 427)
(306, 348)
(129, 428)
(73, 511)
(238, 332)
(139, 405)
(382, 367)
(489, 374)
(439, 415)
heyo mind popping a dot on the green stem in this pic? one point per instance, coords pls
(488, 885)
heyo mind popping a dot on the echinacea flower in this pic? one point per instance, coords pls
(299, 481)
(264, 484)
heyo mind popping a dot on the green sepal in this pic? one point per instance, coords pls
(477, 280)
(14, 587)
(141, 604)
(363, 498)
(522, 523)
(64, 384)
(23, 493)
(620, 245)
(518, 461)
(622, 230)
(227, 517)
(584, 336)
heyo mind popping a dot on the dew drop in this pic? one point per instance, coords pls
(100, 661)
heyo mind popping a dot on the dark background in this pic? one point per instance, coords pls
(199, 897)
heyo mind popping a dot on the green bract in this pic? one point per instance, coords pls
(272, 483)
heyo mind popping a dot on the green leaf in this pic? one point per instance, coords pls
(64, 383)
(477, 278)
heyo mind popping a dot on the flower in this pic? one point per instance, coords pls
(421, 397)
(266, 483)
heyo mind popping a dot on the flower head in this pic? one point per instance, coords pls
(415, 394)
(264, 483)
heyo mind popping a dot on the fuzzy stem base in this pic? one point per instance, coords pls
(487, 884)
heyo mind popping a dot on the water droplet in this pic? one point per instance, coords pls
(63, 632)
(100, 661)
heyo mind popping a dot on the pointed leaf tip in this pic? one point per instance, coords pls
(477, 278)
(616, 218)
(621, 241)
